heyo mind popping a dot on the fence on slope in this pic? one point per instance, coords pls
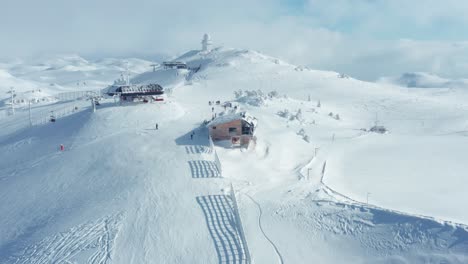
(216, 157)
(234, 202)
(37, 117)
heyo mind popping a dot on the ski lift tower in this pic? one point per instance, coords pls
(127, 73)
(154, 65)
(206, 42)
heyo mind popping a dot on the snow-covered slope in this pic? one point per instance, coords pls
(75, 72)
(125, 192)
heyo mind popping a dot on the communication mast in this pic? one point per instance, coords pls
(206, 42)
(127, 73)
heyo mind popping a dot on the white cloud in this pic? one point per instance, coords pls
(341, 35)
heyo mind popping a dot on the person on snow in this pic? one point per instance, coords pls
(157, 126)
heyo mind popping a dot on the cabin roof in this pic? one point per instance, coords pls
(173, 63)
(226, 118)
(145, 89)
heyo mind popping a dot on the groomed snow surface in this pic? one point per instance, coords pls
(317, 187)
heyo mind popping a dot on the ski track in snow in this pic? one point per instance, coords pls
(96, 237)
(260, 213)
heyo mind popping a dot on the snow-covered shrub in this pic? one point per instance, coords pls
(330, 114)
(297, 116)
(343, 76)
(273, 94)
(284, 113)
(254, 97)
(238, 94)
(378, 129)
(303, 134)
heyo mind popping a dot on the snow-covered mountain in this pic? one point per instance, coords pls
(316, 187)
(425, 80)
(40, 79)
(75, 72)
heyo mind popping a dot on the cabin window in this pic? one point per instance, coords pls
(247, 129)
(233, 130)
(213, 127)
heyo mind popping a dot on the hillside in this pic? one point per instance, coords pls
(317, 186)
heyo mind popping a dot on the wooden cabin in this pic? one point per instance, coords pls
(238, 128)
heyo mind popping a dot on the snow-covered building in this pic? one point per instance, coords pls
(133, 92)
(174, 65)
(239, 128)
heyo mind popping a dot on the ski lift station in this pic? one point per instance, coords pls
(174, 65)
(135, 93)
(239, 128)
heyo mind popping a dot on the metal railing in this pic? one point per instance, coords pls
(216, 157)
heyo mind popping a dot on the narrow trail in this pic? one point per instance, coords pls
(280, 257)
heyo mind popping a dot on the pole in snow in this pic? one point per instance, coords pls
(93, 104)
(367, 199)
(12, 91)
(30, 120)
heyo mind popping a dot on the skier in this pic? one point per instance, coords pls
(212, 109)
(191, 136)
(157, 126)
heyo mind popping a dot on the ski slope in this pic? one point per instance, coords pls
(125, 192)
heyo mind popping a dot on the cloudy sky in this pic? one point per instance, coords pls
(363, 38)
